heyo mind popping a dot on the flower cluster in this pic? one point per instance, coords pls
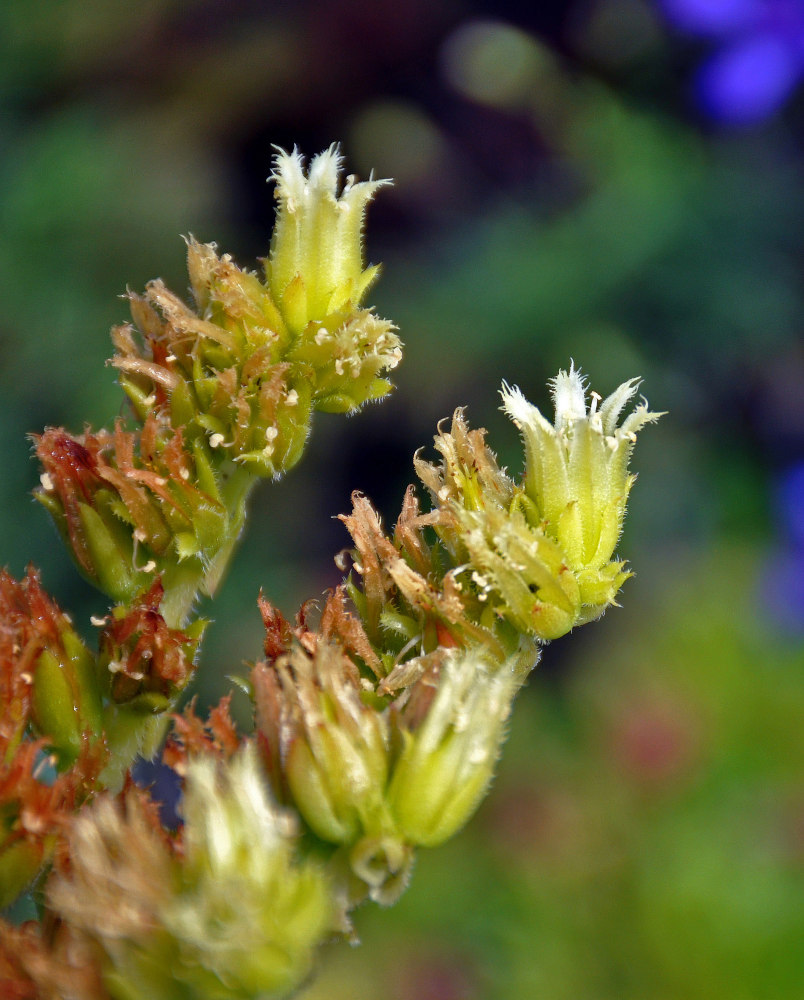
(224, 390)
(244, 366)
(382, 726)
(377, 723)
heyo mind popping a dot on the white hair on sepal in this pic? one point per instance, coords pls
(613, 405)
(642, 415)
(288, 176)
(568, 390)
(325, 168)
(522, 412)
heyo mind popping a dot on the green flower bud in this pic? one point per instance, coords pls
(252, 913)
(333, 748)
(576, 478)
(520, 573)
(345, 353)
(232, 914)
(450, 743)
(20, 863)
(54, 708)
(132, 504)
(328, 751)
(48, 677)
(325, 733)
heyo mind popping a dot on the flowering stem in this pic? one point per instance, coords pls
(128, 730)
(184, 581)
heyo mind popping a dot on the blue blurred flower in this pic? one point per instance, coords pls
(164, 785)
(760, 58)
(790, 505)
(782, 579)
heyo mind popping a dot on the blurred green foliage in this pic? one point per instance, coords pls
(645, 835)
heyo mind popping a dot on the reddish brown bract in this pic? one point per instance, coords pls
(191, 735)
(147, 655)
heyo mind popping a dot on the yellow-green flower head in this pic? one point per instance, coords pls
(316, 261)
(237, 916)
(577, 481)
(448, 754)
(240, 370)
(316, 277)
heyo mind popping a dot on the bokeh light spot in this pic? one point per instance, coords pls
(491, 62)
(711, 17)
(749, 81)
(397, 140)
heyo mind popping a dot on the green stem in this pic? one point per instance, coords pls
(185, 581)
